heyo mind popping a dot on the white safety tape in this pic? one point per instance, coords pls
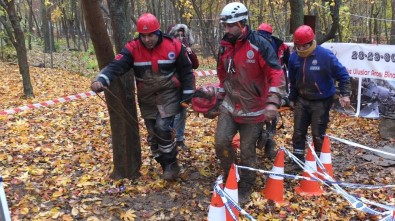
(229, 202)
(360, 145)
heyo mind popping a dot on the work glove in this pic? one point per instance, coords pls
(271, 112)
(97, 86)
(285, 102)
(291, 105)
(221, 96)
(214, 112)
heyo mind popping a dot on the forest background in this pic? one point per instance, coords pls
(52, 42)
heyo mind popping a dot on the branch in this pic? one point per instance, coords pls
(2, 3)
(335, 26)
(8, 29)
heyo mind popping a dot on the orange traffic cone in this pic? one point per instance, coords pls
(274, 188)
(326, 158)
(216, 210)
(308, 187)
(231, 188)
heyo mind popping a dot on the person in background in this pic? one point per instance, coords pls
(182, 33)
(282, 51)
(164, 80)
(313, 71)
(251, 85)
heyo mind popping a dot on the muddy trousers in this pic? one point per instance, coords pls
(160, 140)
(249, 134)
(314, 113)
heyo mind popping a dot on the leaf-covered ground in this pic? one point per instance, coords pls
(56, 161)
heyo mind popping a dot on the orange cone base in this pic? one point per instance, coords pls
(328, 168)
(309, 188)
(274, 190)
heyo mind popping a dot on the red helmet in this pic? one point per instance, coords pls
(207, 100)
(147, 23)
(303, 35)
(265, 27)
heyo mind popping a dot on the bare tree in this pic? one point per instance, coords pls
(18, 41)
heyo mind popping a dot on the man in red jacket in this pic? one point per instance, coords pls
(164, 80)
(252, 83)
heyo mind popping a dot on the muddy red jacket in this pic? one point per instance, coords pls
(251, 76)
(163, 75)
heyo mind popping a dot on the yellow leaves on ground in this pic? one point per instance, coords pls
(56, 162)
(128, 215)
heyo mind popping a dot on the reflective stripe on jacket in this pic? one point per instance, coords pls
(162, 74)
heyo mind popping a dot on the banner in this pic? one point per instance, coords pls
(372, 68)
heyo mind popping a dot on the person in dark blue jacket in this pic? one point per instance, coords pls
(313, 71)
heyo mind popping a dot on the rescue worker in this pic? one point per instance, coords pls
(282, 51)
(279, 47)
(182, 33)
(313, 71)
(164, 80)
(252, 83)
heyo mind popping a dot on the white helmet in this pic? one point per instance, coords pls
(234, 12)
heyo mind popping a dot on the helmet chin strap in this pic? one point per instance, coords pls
(242, 28)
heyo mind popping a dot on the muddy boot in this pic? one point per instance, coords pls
(292, 167)
(244, 191)
(269, 149)
(171, 171)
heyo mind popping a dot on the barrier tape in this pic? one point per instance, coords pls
(355, 202)
(360, 145)
(297, 177)
(389, 217)
(80, 96)
(4, 210)
(205, 73)
(229, 202)
(47, 103)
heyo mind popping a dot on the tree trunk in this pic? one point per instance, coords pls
(131, 152)
(297, 14)
(30, 24)
(393, 23)
(20, 47)
(47, 29)
(122, 131)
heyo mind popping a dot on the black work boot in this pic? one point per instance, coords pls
(292, 167)
(171, 171)
(269, 149)
(244, 190)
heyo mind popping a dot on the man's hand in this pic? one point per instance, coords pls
(271, 112)
(97, 86)
(344, 101)
(291, 105)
